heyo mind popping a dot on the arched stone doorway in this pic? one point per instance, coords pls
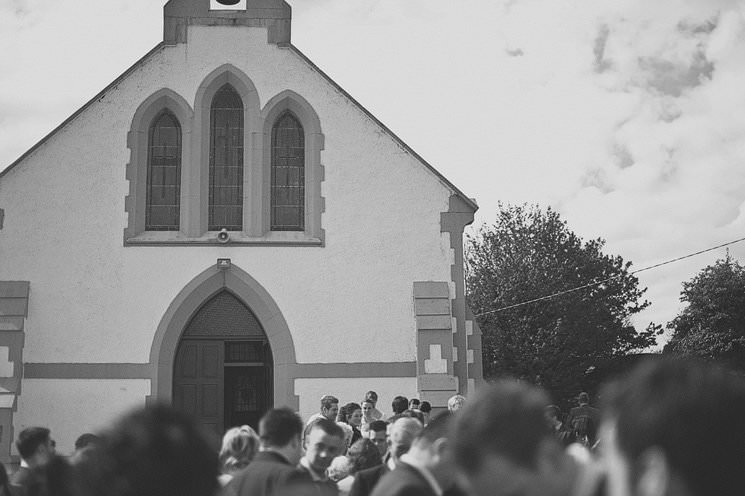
(222, 373)
(250, 294)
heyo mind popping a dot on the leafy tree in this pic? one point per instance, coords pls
(529, 254)
(712, 325)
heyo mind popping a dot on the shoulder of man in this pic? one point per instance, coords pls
(405, 480)
(365, 480)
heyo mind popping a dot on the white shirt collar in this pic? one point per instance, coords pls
(411, 461)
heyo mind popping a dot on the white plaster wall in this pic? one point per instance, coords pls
(71, 407)
(93, 300)
(310, 391)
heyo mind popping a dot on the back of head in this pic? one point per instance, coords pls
(425, 407)
(694, 412)
(30, 439)
(372, 396)
(154, 451)
(504, 419)
(363, 454)
(402, 434)
(399, 404)
(239, 445)
(437, 428)
(279, 426)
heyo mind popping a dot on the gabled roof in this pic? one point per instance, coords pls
(469, 202)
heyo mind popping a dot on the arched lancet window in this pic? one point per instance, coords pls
(163, 174)
(226, 161)
(288, 174)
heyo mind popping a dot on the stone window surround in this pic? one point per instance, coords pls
(195, 126)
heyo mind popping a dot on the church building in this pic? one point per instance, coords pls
(224, 229)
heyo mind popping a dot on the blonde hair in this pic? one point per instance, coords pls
(239, 445)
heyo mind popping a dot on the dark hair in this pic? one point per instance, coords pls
(363, 454)
(55, 478)
(153, 451)
(327, 401)
(371, 395)
(691, 410)
(341, 415)
(30, 439)
(414, 402)
(279, 426)
(505, 419)
(86, 439)
(436, 429)
(399, 404)
(378, 425)
(349, 409)
(425, 407)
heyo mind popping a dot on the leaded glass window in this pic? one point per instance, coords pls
(288, 174)
(226, 161)
(162, 204)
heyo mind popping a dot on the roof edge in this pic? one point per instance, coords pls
(84, 107)
(469, 202)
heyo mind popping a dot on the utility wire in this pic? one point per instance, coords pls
(597, 283)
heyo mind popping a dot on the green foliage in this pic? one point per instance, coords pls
(712, 325)
(530, 253)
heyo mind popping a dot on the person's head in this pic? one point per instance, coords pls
(86, 440)
(372, 397)
(329, 407)
(675, 427)
(239, 445)
(353, 414)
(378, 435)
(35, 445)
(416, 414)
(363, 454)
(368, 407)
(399, 404)
(154, 451)
(324, 440)
(414, 404)
(456, 402)
(503, 445)
(553, 414)
(401, 435)
(426, 408)
(431, 449)
(280, 430)
(583, 398)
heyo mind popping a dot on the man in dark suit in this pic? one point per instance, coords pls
(427, 468)
(274, 466)
(36, 448)
(583, 421)
(402, 434)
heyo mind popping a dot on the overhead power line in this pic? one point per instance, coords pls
(597, 283)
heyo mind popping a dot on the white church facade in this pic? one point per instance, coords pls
(223, 228)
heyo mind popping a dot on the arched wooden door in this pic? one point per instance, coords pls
(223, 369)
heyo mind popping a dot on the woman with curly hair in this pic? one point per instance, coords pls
(363, 454)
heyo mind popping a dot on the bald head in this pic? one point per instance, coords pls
(402, 434)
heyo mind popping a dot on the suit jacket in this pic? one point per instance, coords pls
(19, 480)
(365, 480)
(301, 484)
(405, 480)
(267, 473)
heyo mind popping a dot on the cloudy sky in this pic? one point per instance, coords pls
(628, 117)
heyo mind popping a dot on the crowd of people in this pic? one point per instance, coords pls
(670, 427)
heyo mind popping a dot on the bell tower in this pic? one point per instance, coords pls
(275, 15)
